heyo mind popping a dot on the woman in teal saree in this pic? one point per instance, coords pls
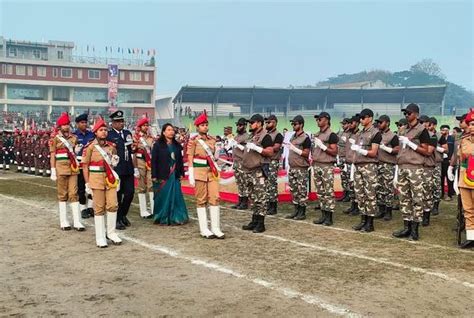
(166, 171)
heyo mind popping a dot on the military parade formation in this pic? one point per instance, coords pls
(97, 171)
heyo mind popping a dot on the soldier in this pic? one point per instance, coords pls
(204, 176)
(8, 149)
(365, 149)
(46, 154)
(257, 154)
(352, 132)
(387, 156)
(2, 149)
(341, 159)
(18, 150)
(64, 171)
(274, 166)
(99, 159)
(39, 160)
(238, 153)
(441, 150)
(324, 157)
(450, 140)
(84, 136)
(414, 141)
(298, 161)
(122, 138)
(143, 143)
(401, 125)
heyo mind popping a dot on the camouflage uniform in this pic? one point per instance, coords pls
(298, 179)
(240, 179)
(410, 184)
(237, 154)
(349, 161)
(385, 193)
(341, 162)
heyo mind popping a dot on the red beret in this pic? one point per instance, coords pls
(469, 116)
(143, 121)
(98, 124)
(63, 120)
(201, 119)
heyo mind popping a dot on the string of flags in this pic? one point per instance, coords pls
(118, 50)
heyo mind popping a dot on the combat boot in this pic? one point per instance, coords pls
(388, 214)
(260, 226)
(301, 213)
(356, 210)
(369, 225)
(272, 208)
(328, 220)
(252, 224)
(245, 204)
(295, 212)
(426, 218)
(414, 235)
(363, 221)
(435, 209)
(323, 217)
(381, 212)
(405, 232)
(349, 210)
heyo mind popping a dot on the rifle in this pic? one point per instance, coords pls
(461, 223)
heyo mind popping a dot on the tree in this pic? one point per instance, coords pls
(428, 66)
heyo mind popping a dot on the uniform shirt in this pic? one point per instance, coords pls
(57, 149)
(252, 160)
(94, 161)
(300, 141)
(240, 139)
(466, 149)
(124, 150)
(277, 138)
(82, 140)
(328, 138)
(430, 161)
(141, 149)
(407, 157)
(342, 136)
(389, 139)
(365, 138)
(197, 156)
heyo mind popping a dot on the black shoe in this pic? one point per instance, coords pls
(381, 212)
(328, 221)
(369, 225)
(244, 205)
(237, 205)
(260, 226)
(405, 232)
(435, 209)
(125, 221)
(414, 236)
(317, 207)
(85, 214)
(272, 208)
(363, 221)
(356, 210)
(346, 198)
(90, 211)
(349, 210)
(251, 225)
(396, 208)
(323, 217)
(426, 218)
(120, 226)
(295, 212)
(66, 228)
(301, 214)
(388, 214)
(467, 244)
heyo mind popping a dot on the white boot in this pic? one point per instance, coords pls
(76, 217)
(41, 171)
(64, 223)
(90, 203)
(215, 213)
(142, 201)
(152, 201)
(202, 218)
(7, 167)
(48, 172)
(82, 207)
(111, 223)
(100, 239)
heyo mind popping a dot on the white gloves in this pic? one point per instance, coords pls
(385, 148)
(40, 156)
(53, 174)
(344, 138)
(241, 147)
(359, 150)
(114, 161)
(295, 149)
(254, 147)
(320, 144)
(191, 180)
(406, 142)
(455, 182)
(440, 149)
(445, 156)
(88, 189)
(351, 174)
(450, 173)
(395, 177)
(136, 173)
(352, 141)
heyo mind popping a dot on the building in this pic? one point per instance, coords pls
(42, 79)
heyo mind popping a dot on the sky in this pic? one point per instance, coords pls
(262, 43)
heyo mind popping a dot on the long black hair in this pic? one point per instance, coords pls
(162, 138)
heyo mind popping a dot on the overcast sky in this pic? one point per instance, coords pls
(264, 43)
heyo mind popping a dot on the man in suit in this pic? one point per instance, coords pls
(123, 140)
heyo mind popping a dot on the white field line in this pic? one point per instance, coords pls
(287, 292)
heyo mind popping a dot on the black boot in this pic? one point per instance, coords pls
(467, 244)
(405, 232)
(328, 220)
(363, 221)
(414, 231)
(260, 226)
(302, 213)
(237, 205)
(346, 198)
(426, 218)
(369, 225)
(120, 225)
(356, 210)
(435, 209)
(318, 206)
(381, 212)
(85, 214)
(251, 225)
(90, 211)
(245, 204)
(388, 214)
(295, 212)
(349, 210)
(322, 218)
(272, 208)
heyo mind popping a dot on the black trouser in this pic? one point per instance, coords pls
(444, 175)
(81, 188)
(125, 195)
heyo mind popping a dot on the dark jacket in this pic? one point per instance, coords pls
(124, 151)
(160, 161)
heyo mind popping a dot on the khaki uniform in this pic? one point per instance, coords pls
(66, 178)
(144, 181)
(466, 149)
(207, 186)
(105, 197)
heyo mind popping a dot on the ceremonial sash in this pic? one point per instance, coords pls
(469, 172)
(111, 178)
(146, 153)
(70, 153)
(210, 158)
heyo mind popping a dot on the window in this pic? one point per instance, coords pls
(135, 76)
(79, 74)
(20, 70)
(4, 68)
(61, 94)
(9, 69)
(122, 75)
(12, 52)
(66, 73)
(60, 55)
(90, 95)
(55, 72)
(36, 54)
(147, 77)
(41, 71)
(29, 70)
(94, 74)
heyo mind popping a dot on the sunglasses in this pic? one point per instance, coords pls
(320, 118)
(364, 117)
(407, 113)
(240, 125)
(295, 124)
